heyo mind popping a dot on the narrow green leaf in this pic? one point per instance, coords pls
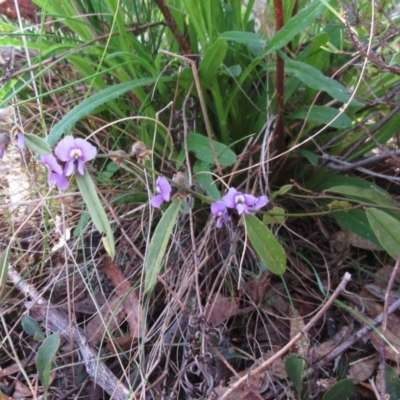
(4, 262)
(298, 24)
(45, 357)
(356, 221)
(315, 79)
(91, 103)
(37, 144)
(340, 390)
(366, 195)
(294, 369)
(266, 246)
(321, 115)
(32, 328)
(392, 382)
(252, 40)
(387, 230)
(96, 210)
(200, 145)
(158, 245)
(211, 61)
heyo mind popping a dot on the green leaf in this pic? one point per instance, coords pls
(365, 195)
(200, 145)
(266, 246)
(387, 230)
(252, 40)
(322, 115)
(158, 245)
(32, 328)
(282, 191)
(340, 390)
(4, 263)
(91, 103)
(275, 216)
(356, 221)
(315, 79)
(37, 144)
(45, 357)
(392, 383)
(204, 177)
(96, 211)
(294, 369)
(298, 24)
(311, 157)
(211, 61)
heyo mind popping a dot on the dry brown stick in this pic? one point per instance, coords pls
(58, 322)
(385, 314)
(264, 365)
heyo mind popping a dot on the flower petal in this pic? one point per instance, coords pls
(62, 182)
(51, 162)
(229, 198)
(218, 207)
(261, 202)
(242, 208)
(53, 178)
(250, 200)
(165, 188)
(64, 147)
(69, 168)
(21, 141)
(219, 222)
(80, 167)
(88, 150)
(157, 200)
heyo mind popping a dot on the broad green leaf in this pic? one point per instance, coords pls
(340, 390)
(252, 40)
(322, 115)
(266, 246)
(212, 61)
(4, 262)
(204, 177)
(392, 382)
(282, 191)
(387, 230)
(311, 157)
(45, 357)
(366, 195)
(91, 103)
(275, 216)
(200, 145)
(37, 144)
(356, 221)
(158, 245)
(315, 79)
(32, 328)
(96, 211)
(298, 24)
(294, 369)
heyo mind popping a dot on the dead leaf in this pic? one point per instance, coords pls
(220, 309)
(121, 343)
(391, 352)
(26, 9)
(361, 370)
(21, 391)
(108, 315)
(256, 287)
(342, 239)
(131, 304)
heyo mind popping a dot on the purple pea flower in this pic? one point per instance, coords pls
(56, 173)
(163, 192)
(75, 152)
(243, 203)
(219, 210)
(261, 202)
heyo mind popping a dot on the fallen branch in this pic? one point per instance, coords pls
(58, 322)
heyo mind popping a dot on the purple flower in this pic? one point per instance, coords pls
(75, 152)
(261, 202)
(218, 209)
(163, 192)
(56, 174)
(20, 138)
(243, 203)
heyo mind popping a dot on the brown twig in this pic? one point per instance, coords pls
(169, 19)
(58, 322)
(264, 365)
